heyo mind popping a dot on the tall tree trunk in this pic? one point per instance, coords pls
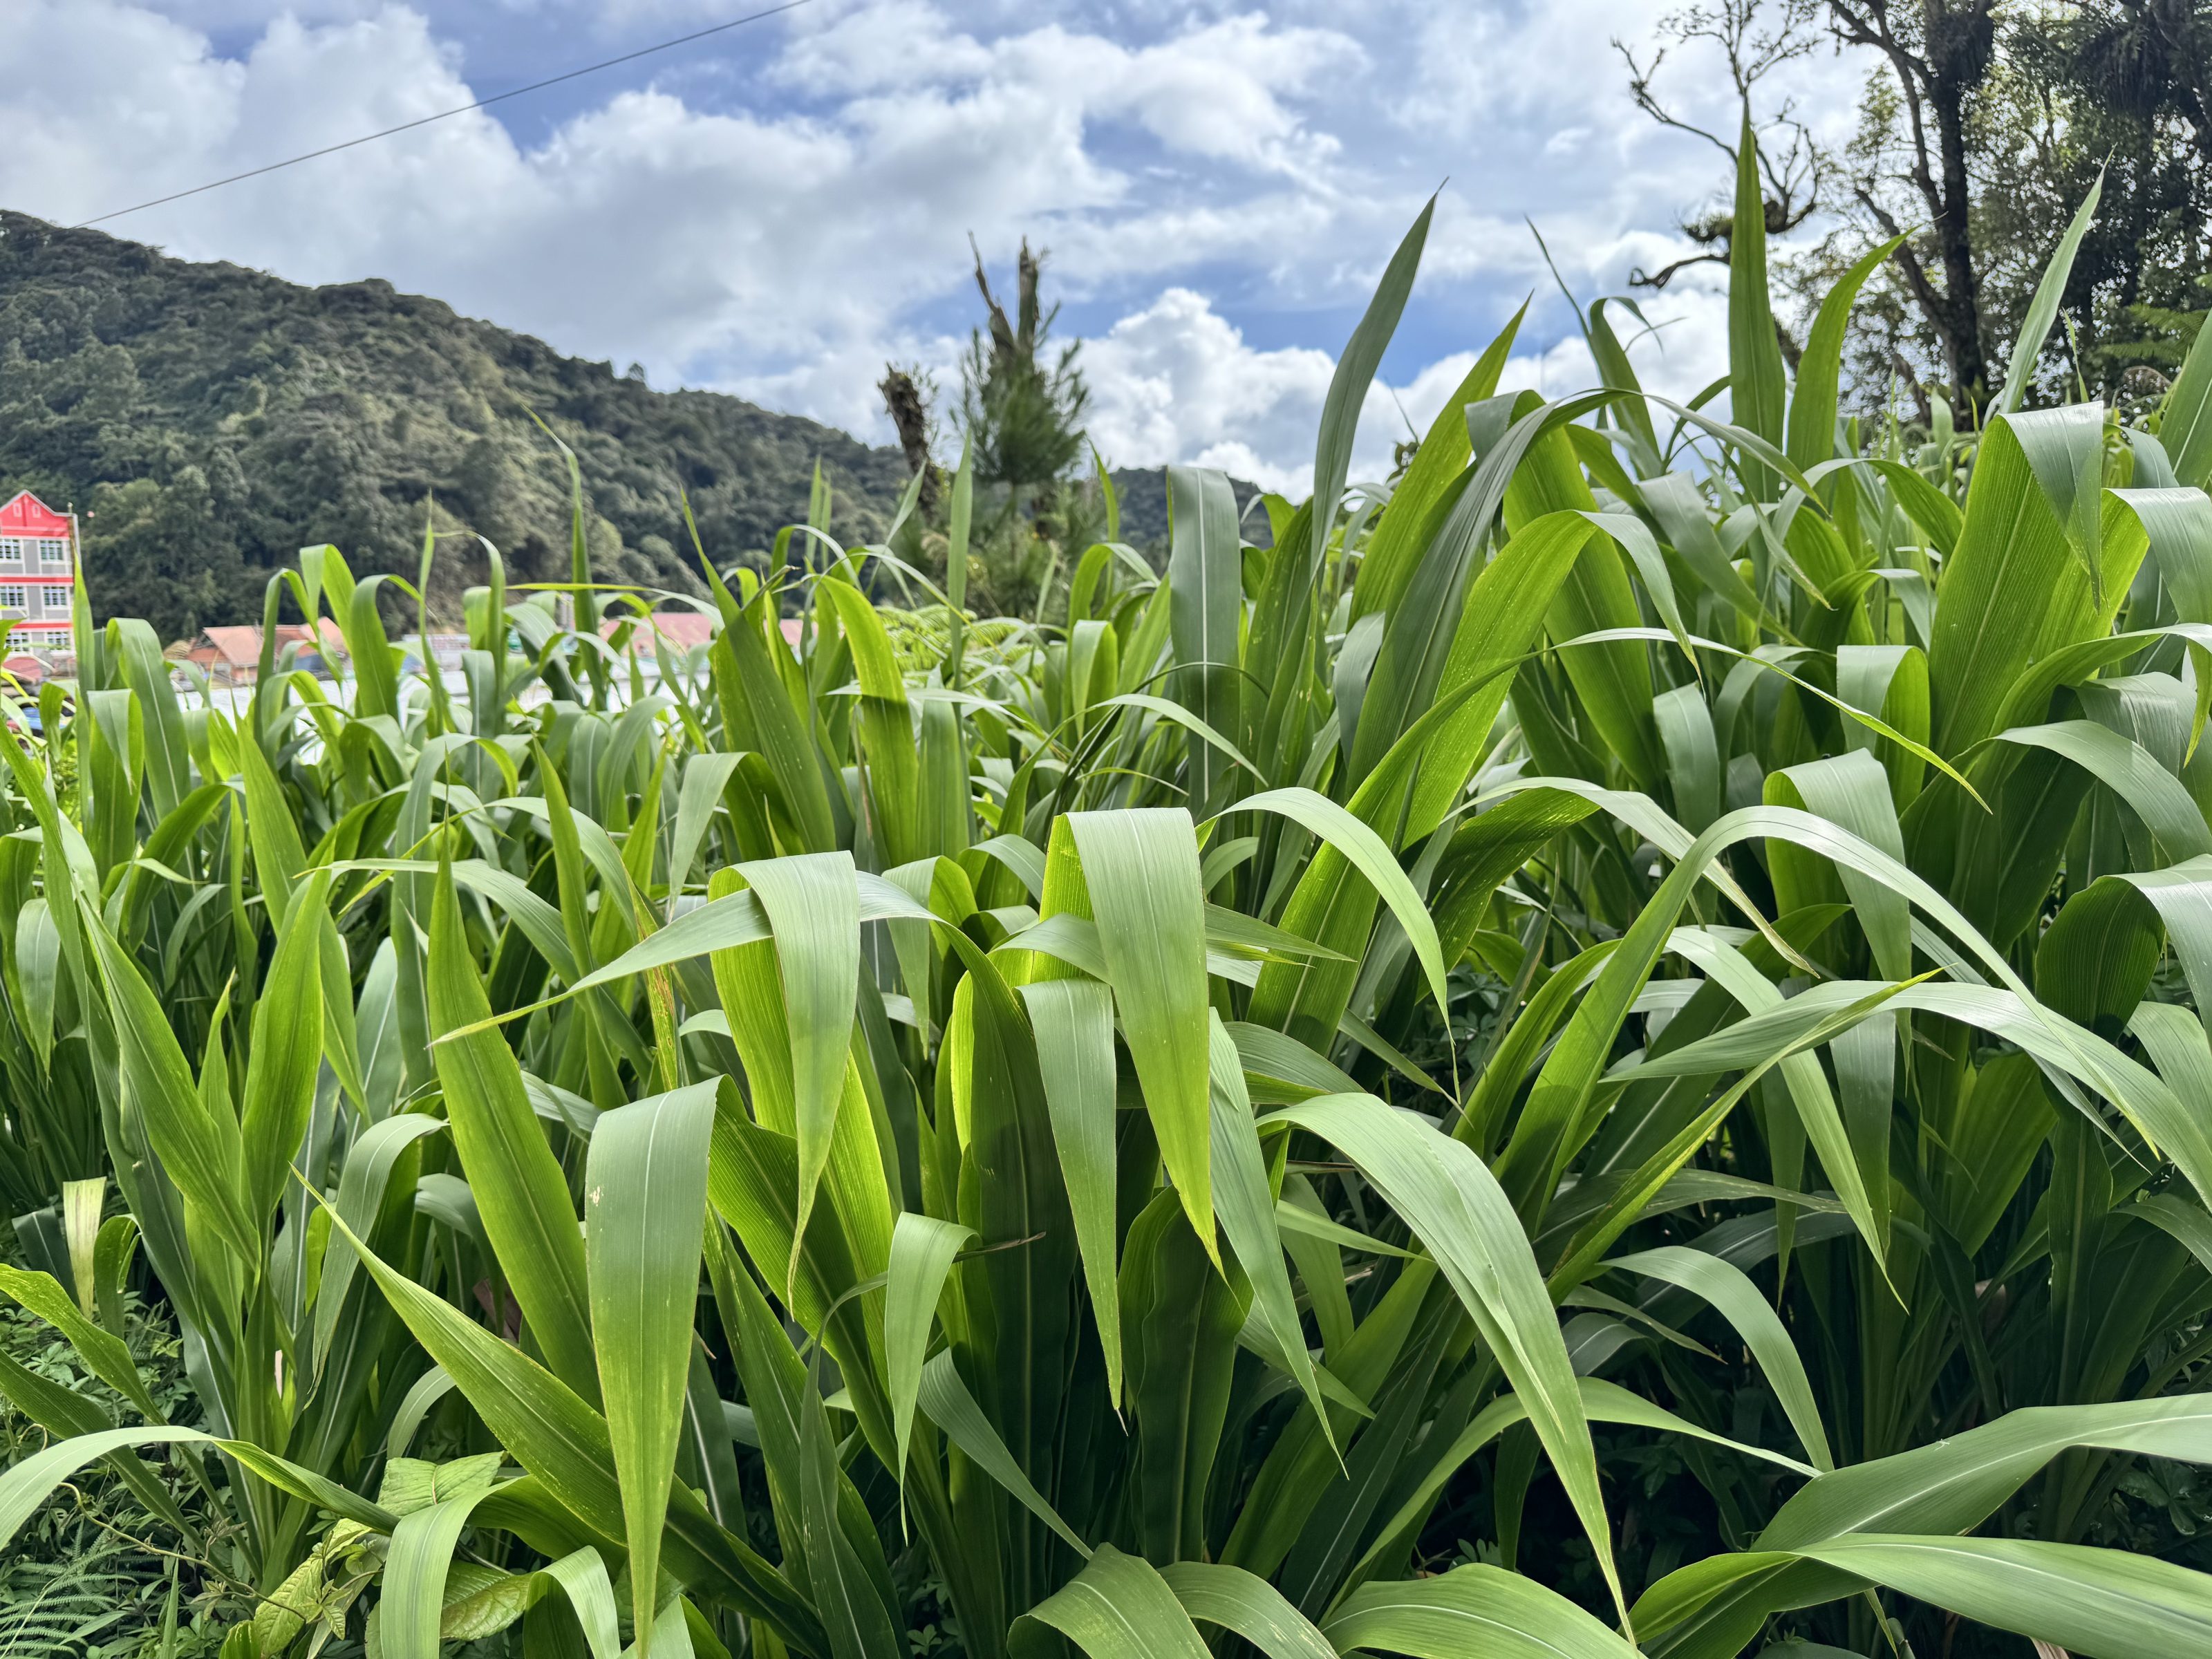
(909, 414)
(1939, 59)
(1961, 326)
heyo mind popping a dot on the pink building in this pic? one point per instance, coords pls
(38, 571)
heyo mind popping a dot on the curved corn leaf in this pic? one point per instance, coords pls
(1458, 1211)
(1120, 1608)
(645, 1202)
(1471, 1609)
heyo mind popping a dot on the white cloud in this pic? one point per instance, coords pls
(1218, 90)
(756, 251)
(779, 216)
(1178, 381)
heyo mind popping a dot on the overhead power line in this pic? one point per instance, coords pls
(447, 114)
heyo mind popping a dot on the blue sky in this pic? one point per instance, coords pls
(779, 210)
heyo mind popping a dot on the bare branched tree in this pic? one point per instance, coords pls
(1756, 38)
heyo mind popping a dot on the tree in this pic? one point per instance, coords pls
(1790, 163)
(907, 394)
(2116, 88)
(1981, 129)
(1024, 415)
(2174, 41)
(1907, 166)
(1937, 54)
(1984, 129)
(314, 415)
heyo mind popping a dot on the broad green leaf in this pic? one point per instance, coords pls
(1205, 603)
(2013, 591)
(1120, 1608)
(414, 1598)
(1279, 1069)
(1367, 853)
(922, 1248)
(1756, 387)
(946, 1402)
(1294, 1219)
(1248, 1606)
(1736, 1299)
(813, 911)
(29, 1481)
(760, 716)
(2043, 309)
(1244, 1203)
(852, 1588)
(1141, 869)
(105, 1353)
(1456, 1208)
(1813, 403)
(200, 1150)
(279, 858)
(1807, 1085)
(2105, 1604)
(520, 1192)
(1179, 715)
(1471, 1609)
(363, 1194)
(705, 779)
(287, 1050)
(1355, 372)
(556, 1435)
(2133, 773)
(2185, 425)
(1602, 1402)
(1443, 454)
(883, 721)
(1073, 1019)
(65, 1415)
(1948, 1487)
(1182, 1316)
(645, 1202)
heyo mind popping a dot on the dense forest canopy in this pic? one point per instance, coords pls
(208, 421)
(1980, 126)
(211, 420)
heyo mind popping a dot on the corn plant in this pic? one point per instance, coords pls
(1634, 997)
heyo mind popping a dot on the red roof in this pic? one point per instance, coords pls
(240, 643)
(27, 515)
(236, 644)
(681, 629)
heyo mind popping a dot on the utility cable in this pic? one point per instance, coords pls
(462, 109)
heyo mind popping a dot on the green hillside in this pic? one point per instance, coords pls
(209, 421)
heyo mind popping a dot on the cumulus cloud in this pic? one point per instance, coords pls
(1177, 381)
(1217, 90)
(779, 215)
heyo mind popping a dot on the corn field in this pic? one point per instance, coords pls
(1601, 1052)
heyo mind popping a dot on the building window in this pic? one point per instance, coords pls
(11, 599)
(55, 555)
(55, 600)
(11, 549)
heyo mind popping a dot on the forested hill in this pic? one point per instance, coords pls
(211, 420)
